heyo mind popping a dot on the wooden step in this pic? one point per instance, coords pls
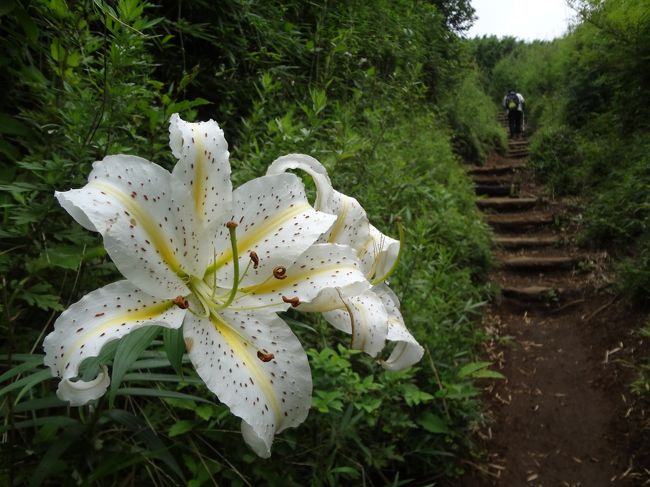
(519, 221)
(527, 242)
(493, 179)
(507, 204)
(487, 170)
(541, 294)
(517, 142)
(517, 155)
(494, 190)
(539, 263)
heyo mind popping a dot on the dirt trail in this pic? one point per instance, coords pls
(557, 417)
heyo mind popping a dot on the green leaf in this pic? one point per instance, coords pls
(470, 368)
(50, 460)
(433, 423)
(40, 403)
(174, 347)
(161, 393)
(128, 351)
(488, 374)
(27, 382)
(204, 411)
(348, 471)
(181, 427)
(40, 296)
(155, 377)
(414, 396)
(155, 446)
(23, 367)
(53, 421)
(10, 126)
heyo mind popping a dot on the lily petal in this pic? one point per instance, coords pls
(364, 316)
(256, 366)
(407, 351)
(203, 166)
(101, 316)
(276, 221)
(150, 238)
(80, 392)
(378, 254)
(351, 226)
(313, 283)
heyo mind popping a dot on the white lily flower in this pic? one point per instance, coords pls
(373, 316)
(219, 262)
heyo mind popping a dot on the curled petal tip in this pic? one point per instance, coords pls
(81, 392)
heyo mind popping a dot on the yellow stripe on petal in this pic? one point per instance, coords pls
(298, 277)
(148, 313)
(248, 240)
(339, 223)
(199, 170)
(148, 223)
(246, 353)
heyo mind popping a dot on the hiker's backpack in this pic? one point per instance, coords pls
(512, 102)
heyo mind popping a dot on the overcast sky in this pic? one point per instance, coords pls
(524, 19)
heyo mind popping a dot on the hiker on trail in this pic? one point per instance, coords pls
(513, 102)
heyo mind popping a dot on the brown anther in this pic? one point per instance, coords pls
(231, 224)
(181, 302)
(265, 356)
(280, 272)
(295, 301)
(254, 258)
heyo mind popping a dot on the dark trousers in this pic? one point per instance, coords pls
(515, 119)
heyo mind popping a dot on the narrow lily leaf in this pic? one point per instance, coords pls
(143, 391)
(35, 379)
(38, 404)
(152, 377)
(21, 357)
(114, 463)
(27, 382)
(155, 445)
(57, 421)
(174, 348)
(51, 458)
(19, 369)
(128, 351)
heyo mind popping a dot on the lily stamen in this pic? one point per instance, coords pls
(265, 356)
(280, 272)
(294, 302)
(254, 258)
(181, 302)
(232, 226)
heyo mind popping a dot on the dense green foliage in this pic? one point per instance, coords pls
(369, 88)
